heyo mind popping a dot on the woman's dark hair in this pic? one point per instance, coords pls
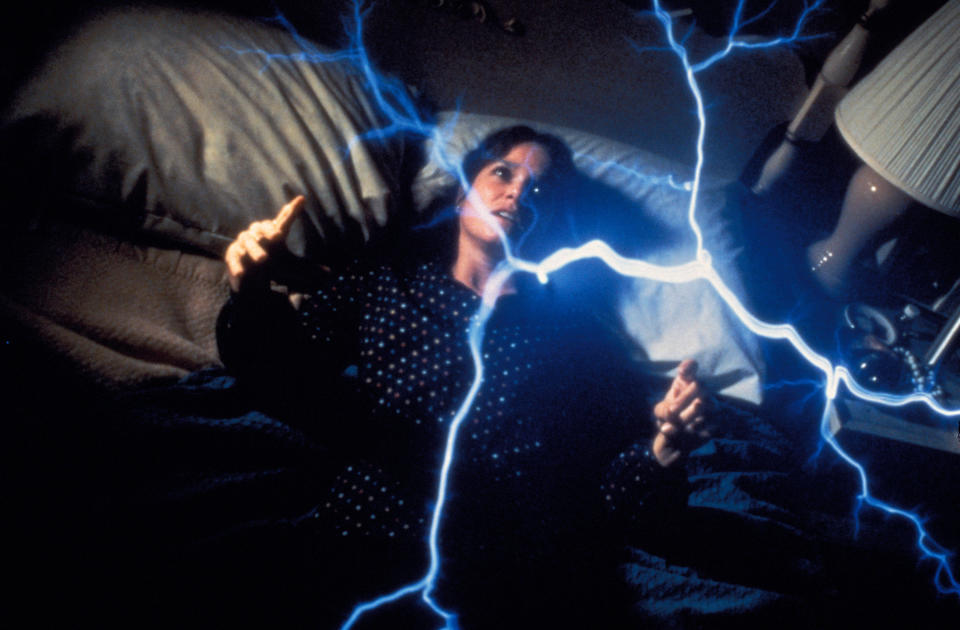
(499, 143)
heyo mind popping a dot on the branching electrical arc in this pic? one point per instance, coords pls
(405, 117)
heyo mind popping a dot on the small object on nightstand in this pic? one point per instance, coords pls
(879, 351)
(910, 313)
(869, 345)
(866, 342)
(870, 321)
(881, 371)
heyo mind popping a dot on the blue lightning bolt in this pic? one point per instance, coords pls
(405, 118)
(806, 382)
(626, 172)
(815, 388)
(392, 98)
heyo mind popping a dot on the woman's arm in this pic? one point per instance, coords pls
(256, 328)
(277, 353)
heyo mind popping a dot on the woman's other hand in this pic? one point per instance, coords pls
(681, 416)
(251, 246)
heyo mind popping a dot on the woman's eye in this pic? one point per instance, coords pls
(503, 173)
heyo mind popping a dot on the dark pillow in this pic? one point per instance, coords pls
(171, 123)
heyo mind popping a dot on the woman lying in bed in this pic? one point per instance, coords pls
(374, 363)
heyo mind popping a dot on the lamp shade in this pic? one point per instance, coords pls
(903, 119)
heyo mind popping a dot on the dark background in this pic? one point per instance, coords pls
(777, 229)
(429, 59)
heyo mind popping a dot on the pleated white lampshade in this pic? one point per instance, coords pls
(903, 119)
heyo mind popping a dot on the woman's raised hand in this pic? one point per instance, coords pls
(681, 416)
(252, 244)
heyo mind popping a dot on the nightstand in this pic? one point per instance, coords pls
(908, 425)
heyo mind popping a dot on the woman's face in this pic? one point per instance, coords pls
(498, 195)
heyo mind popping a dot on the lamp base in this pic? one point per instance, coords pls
(871, 204)
(830, 274)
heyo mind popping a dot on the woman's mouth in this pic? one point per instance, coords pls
(509, 217)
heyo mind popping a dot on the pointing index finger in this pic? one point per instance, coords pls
(285, 217)
(687, 369)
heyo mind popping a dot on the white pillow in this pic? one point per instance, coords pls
(669, 322)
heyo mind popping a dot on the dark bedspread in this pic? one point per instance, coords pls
(184, 504)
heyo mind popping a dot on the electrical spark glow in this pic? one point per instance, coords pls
(404, 117)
